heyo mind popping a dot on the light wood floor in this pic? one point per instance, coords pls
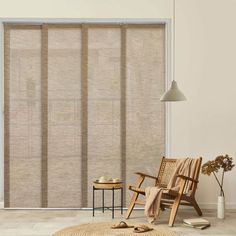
(45, 222)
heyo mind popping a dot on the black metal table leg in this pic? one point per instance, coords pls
(103, 200)
(113, 203)
(121, 209)
(113, 188)
(93, 200)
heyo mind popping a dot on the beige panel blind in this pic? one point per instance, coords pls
(145, 130)
(104, 48)
(81, 101)
(64, 127)
(22, 117)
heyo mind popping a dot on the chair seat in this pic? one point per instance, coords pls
(170, 193)
(167, 197)
(166, 194)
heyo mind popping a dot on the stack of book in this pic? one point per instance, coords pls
(198, 223)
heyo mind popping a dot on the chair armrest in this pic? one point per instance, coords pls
(187, 178)
(146, 175)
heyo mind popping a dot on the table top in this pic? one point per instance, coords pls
(108, 182)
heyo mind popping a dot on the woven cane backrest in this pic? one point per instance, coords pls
(166, 170)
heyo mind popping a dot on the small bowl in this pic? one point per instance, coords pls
(116, 180)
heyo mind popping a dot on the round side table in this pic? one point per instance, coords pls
(110, 186)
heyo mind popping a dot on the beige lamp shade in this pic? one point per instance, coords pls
(173, 94)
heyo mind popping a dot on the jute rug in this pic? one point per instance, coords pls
(104, 229)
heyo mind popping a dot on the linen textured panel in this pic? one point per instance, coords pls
(145, 125)
(104, 55)
(24, 97)
(81, 102)
(64, 103)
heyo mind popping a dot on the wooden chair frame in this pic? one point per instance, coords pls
(172, 199)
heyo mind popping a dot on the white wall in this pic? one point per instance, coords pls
(205, 69)
(205, 125)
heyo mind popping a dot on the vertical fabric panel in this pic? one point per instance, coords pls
(64, 127)
(145, 113)
(44, 116)
(6, 117)
(24, 117)
(104, 55)
(84, 116)
(123, 108)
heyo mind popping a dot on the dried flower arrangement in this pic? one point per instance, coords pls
(221, 162)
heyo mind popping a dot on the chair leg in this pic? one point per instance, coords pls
(174, 210)
(134, 197)
(131, 205)
(196, 207)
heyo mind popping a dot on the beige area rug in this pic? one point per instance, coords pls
(104, 229)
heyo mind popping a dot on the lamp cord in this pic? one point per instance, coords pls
(173, 76)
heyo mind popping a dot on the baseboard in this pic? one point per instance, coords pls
(202, 206)
(214, 206)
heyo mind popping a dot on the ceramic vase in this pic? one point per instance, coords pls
(221, 207)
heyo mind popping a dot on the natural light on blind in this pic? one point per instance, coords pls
(81, 101)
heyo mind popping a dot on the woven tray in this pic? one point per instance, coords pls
(109, 185)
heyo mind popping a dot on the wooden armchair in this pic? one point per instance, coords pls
(170, 199)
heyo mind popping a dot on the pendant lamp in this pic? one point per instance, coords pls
(173, 94)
